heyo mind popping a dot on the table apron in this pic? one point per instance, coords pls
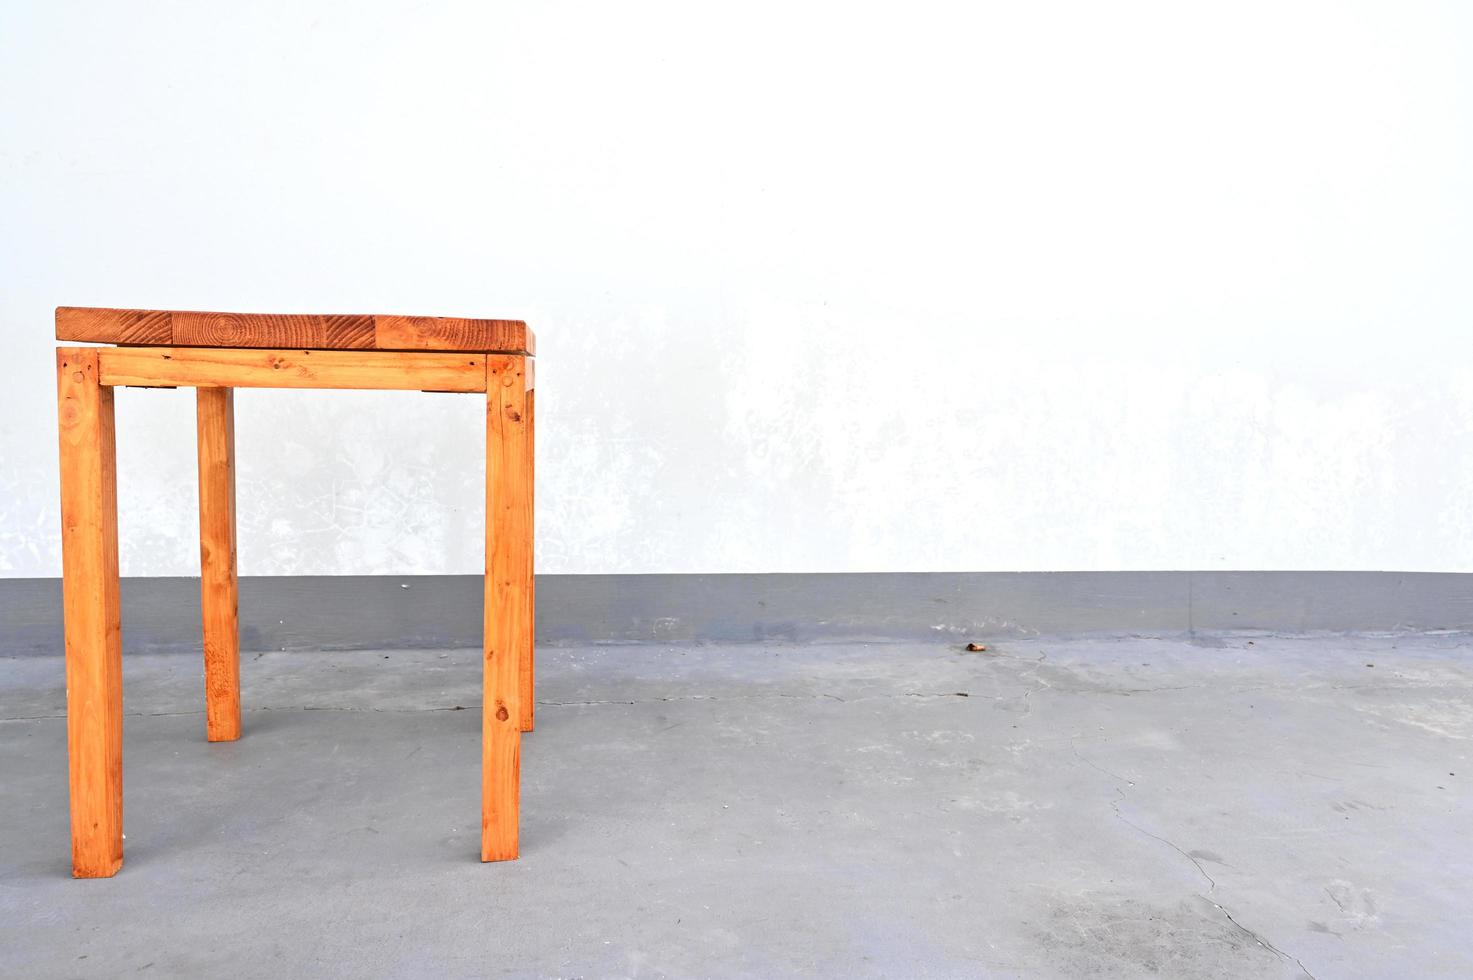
(214, 367)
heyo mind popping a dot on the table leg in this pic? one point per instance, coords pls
(215, 427)
(507, 623)
(90, 611)
(528, 669)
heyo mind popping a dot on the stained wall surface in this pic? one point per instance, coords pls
(817, 287)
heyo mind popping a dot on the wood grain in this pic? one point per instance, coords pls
(239, 368)
(272, 330)
(105, 326)
(91, 613)
(186, 328)
(451, 333)
(529, 656)
(215, 429)
(508, 541)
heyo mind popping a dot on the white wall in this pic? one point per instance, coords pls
(817, 287)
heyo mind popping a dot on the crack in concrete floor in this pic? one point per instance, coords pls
(1211, 882)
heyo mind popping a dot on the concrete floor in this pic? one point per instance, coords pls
(1229, 805)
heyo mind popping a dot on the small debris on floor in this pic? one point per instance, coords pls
(976, 647)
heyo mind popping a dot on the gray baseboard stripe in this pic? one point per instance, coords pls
(439, 611)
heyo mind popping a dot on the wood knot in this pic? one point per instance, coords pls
(514, 415)
(502, 714)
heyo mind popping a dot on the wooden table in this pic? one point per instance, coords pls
(215, 353)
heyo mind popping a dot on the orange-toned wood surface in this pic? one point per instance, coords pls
(215, 429)
(450, 333)
(272, 330)
(100, 326)
(90, 613)
(508, 563)
(182, 328)
(85, 376)
(234, 367)
(528, 640)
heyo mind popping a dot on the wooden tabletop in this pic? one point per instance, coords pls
(296, 331)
